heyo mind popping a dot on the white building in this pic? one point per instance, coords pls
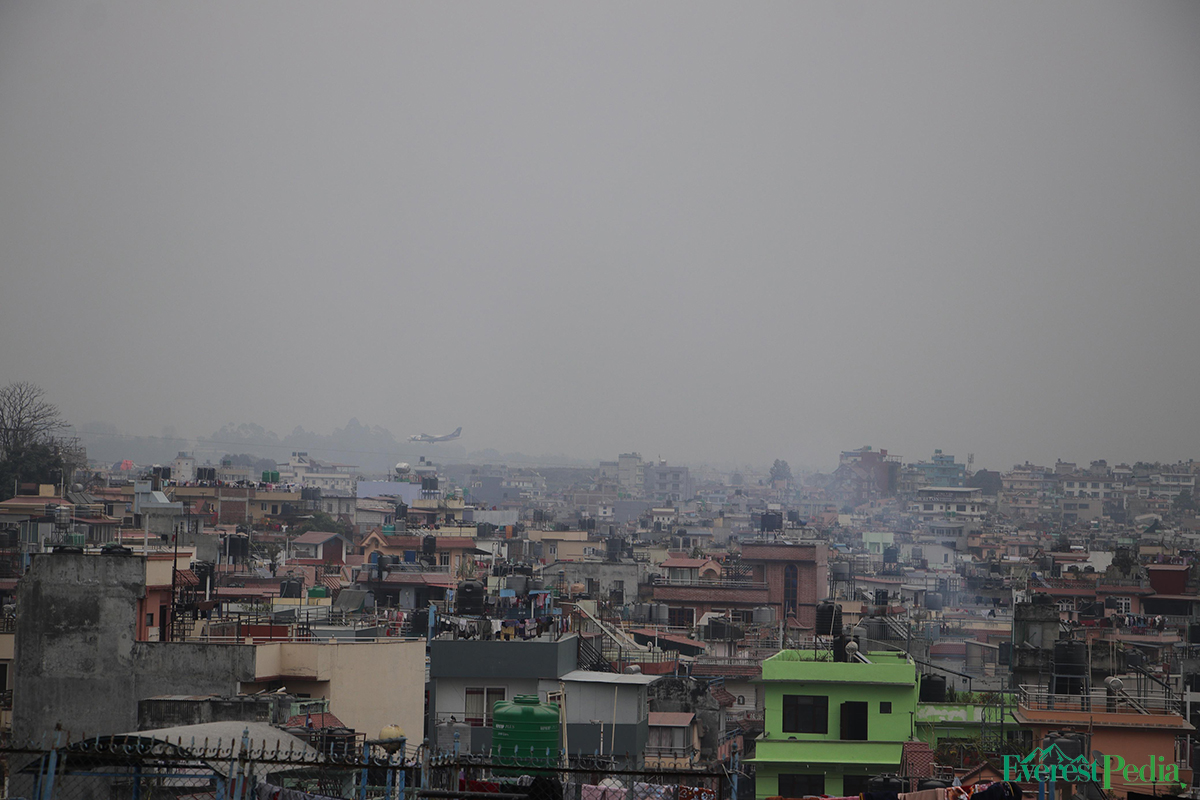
(953, 501)
(183, 468)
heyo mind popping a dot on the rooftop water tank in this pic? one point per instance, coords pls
(468, 600)
(829, 619)
(525, 733)
(933, 689)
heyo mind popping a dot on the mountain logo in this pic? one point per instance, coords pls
(1051, 765)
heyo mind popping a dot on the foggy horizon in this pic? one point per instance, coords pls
(711, 234)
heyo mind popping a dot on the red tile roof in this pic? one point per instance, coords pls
(320, 720)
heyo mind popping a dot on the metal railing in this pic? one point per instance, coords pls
(715, 583)
(1096, 701)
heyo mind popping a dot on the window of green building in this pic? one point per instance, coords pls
(801, 785)
(804, 713)
(885, 708)
(854, 721)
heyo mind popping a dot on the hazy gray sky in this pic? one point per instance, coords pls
(727, 232)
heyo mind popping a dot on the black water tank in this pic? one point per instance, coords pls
(468, 601)
(839, 649)
(1193, 633)
(1043, 599)
(829, 619)
(933, 689)
(238, 546)
(881, 597)
(1070, 666)
(891, 555)
(429, 545)
(887, 783)
(613, 548)
(931, 783)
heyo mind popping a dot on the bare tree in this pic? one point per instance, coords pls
(26, 417)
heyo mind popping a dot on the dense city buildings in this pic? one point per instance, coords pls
(814, 633)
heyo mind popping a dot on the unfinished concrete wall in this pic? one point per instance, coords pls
(76, 662)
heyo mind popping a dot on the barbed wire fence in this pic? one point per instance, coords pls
(144, 768)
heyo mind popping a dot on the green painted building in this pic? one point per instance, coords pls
(830, 726)
(964, 730)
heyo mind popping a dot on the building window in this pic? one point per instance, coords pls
(804, 713)
(961, 507)
(791, 785)
(928, 506)
(444, 559)
(480, 703)
(854, 721)
(791, 583)
(885, 708)
(1123, 604)
(680, 617)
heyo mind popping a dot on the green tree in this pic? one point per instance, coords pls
(780, 471)
(320, 521)
(1184, 501)
(35, 463)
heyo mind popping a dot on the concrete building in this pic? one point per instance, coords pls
(325, 546)
(631, 474)
(941, 471)
(468, 677)
(664, 483)
(77, 663)
(183, 468)
(612, 581)
(949, 501)
(368, 683)
(831, 726)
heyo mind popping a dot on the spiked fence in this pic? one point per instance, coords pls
(142, 767)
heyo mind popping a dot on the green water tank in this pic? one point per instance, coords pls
(525, 733)
(318, 591)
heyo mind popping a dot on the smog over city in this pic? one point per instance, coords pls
(713, 234)
(599, 400)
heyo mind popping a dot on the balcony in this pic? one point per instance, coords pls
(719, 583)
(700, 591)
(1037, 704)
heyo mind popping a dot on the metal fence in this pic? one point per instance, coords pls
(146, 768)
(597, 778)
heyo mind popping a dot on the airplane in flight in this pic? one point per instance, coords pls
(425, 437)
